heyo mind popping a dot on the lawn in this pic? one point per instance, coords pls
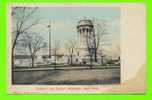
(70, 77)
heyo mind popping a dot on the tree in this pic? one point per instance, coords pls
(90, 47)
(94, 39)
(22, 22)
(71, 48)
(56, 48)
(34, 43)
(101, 54)
(100, 29)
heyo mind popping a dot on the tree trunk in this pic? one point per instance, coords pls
(95, 55)
(12, 56)
(55, 60)
(13, 47)
(32, 61)
(71, 59)
(90, 61)
(101, 60)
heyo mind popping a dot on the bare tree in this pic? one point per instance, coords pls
(100, 29)
(77, 51)
(22, 22)
(71, 48)
(101, 54)
(34, 43)
(55, 50)
(90, 47)
(94, 39)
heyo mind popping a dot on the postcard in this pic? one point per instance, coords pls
(76, 48)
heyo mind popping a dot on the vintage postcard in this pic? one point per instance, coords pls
(76, 48)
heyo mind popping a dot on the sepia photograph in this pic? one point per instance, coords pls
(73, 46)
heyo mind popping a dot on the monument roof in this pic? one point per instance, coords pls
(85, 22)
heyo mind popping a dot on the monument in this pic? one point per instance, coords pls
(85, 30)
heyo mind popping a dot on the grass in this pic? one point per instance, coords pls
(69, 77)
(60, 65)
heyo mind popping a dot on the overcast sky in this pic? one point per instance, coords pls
(64, 21)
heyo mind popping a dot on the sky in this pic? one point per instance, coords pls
(64, 21)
